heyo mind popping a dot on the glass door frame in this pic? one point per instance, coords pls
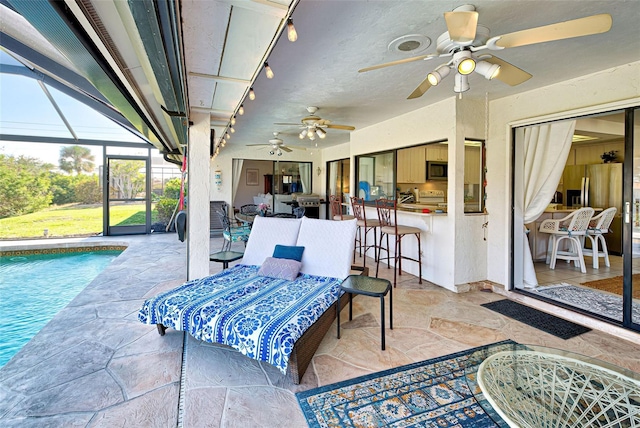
(627, 223)
(133, 229)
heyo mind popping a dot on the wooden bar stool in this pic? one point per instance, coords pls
(364, 226)
(388, 217)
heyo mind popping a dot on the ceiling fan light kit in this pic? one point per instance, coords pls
(464, 37)
(312, 126)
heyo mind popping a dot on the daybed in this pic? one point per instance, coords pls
(259, 307)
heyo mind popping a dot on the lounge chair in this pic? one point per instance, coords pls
(263, 315)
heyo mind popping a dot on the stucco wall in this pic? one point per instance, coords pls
(607, 90)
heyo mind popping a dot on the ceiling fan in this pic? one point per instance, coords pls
(313, 125)
(465, 38)
(277, 146)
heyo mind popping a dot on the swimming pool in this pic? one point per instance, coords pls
(35, 287)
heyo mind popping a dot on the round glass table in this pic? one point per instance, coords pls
(535, 386)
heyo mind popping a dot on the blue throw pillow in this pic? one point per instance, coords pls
(288, 252)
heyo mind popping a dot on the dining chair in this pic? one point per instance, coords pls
(388, 217)
(572, 228)
(364, 226)
(598, 226)
(232, 233)
(298, 212)
(336, 209)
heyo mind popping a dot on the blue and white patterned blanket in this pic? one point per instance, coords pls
(260, 317)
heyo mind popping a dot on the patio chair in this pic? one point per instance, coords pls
(598, 226)
(572, 228)
(232, 233)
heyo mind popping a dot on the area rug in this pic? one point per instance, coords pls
(431, 393)
(614, 285)
(534, 318)
(605, 304)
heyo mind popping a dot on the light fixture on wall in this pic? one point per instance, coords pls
(319, 170)
(292, 34)
(268, 71)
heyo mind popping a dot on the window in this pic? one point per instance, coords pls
(474, 162)
(375, 177)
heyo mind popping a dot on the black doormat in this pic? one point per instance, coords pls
(542, 321)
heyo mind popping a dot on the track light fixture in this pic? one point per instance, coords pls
(464, 62)
(292, 34)
(438, 74)
(252, 95)
(223, 142)
(233, 120)
(268, 70)
(488, 70)
(227, 136)
(241, 110)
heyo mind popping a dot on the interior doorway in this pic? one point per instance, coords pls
(560, 168)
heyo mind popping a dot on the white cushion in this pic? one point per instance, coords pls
(328, 246)
(266, 232)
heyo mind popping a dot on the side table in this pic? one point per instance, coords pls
(368, 286)
(225, 257)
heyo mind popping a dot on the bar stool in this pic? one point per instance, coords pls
(336, 209)
(388, 217)
(364, 226)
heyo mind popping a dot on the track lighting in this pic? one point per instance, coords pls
(292, 34)
(487, 69)
(241, 110)
(227, 136)
(321, 132)
(252, 95)
(464, 62)
(268, 71)
(233, 120)
(223, 142)
(232, 130)
(438, 74)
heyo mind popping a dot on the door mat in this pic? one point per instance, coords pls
(440, 392)
(614, 285)
(542, 321)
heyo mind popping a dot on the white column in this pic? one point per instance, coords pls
(198, 196)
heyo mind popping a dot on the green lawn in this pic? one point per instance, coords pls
(75, 220)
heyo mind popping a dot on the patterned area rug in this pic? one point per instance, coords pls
(433, 393)
(614, 285)
(605, 304)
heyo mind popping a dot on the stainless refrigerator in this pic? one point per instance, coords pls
(597, 186)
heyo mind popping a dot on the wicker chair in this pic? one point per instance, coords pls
(598, 226)
(572, 228)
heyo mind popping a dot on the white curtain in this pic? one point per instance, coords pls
(305, 176)
(237, 176)
(545, 150)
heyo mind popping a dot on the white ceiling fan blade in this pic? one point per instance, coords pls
(509, 73)
(462, 26)
(287, 124)
(296, 148)
(421, 89)
(595, 24)
(258, 145)
(400, 61)
(343, 127)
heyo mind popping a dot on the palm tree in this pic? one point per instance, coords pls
(76, 158)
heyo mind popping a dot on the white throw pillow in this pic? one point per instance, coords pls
(266, 233)
(328, 246)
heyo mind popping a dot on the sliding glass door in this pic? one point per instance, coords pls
(631, 223)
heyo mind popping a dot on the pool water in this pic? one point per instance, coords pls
(34, 288)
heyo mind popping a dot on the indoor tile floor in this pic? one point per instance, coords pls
(96, 365)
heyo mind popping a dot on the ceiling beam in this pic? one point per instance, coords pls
(219, 78)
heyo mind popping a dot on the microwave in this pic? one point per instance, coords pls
(437, 170)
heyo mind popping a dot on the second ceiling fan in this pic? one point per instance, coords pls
(314, 126)
(465, 38)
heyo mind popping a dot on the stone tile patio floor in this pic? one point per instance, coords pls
(95, 365)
